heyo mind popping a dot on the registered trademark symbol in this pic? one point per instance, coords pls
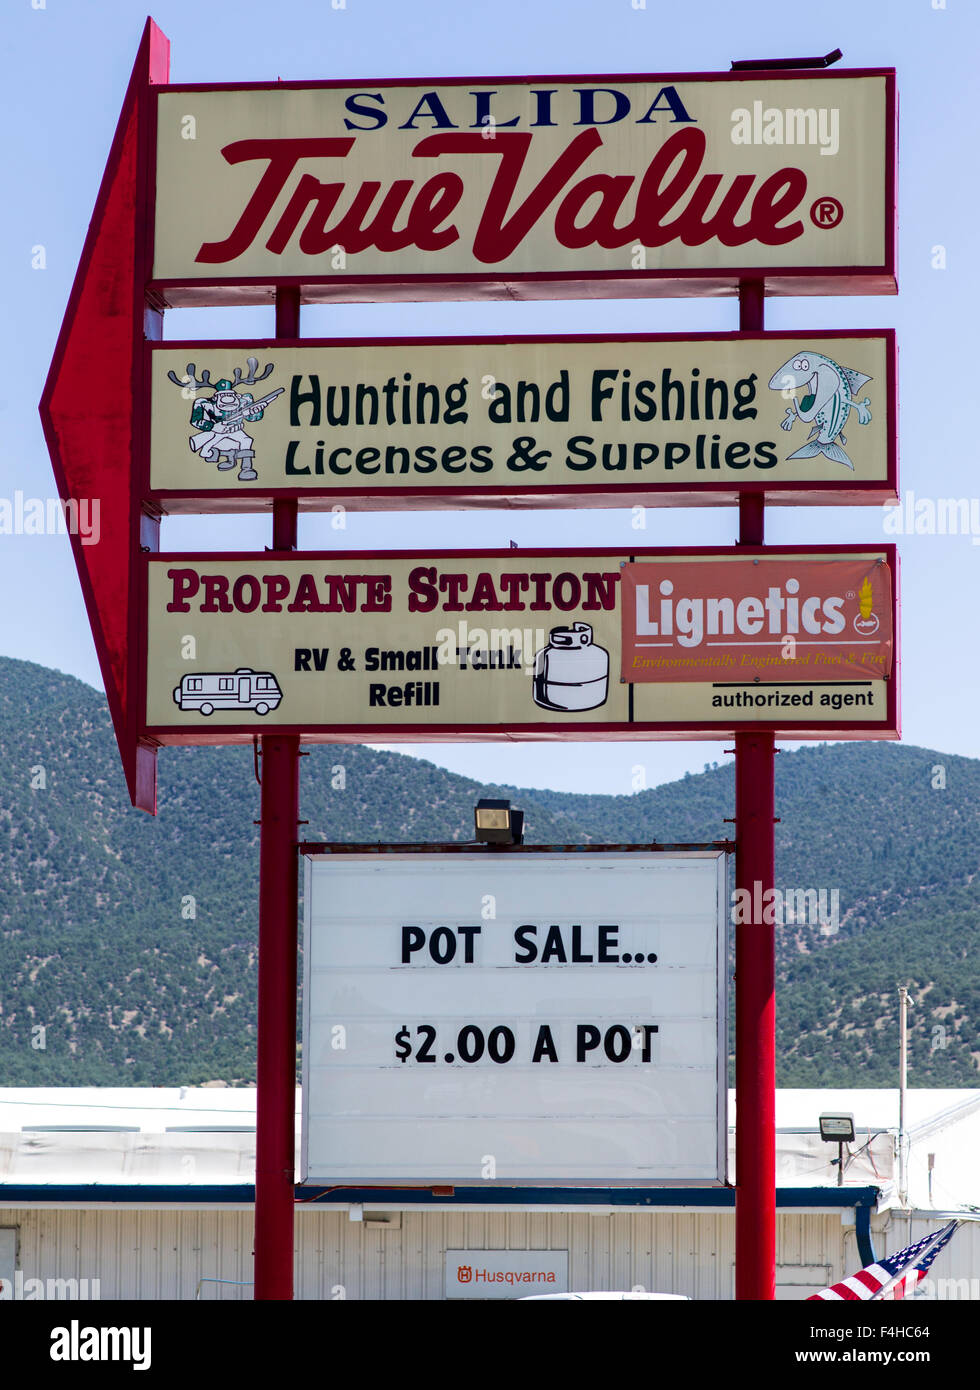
(826, 212)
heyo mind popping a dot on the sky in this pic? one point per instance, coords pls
(65, 65)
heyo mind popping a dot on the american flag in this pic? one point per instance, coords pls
(894, 1276)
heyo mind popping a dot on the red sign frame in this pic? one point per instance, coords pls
(93, 451)
(838, 728)
(104, 454)
(341, 287)
(661, 494)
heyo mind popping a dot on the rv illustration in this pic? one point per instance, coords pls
(243, 688)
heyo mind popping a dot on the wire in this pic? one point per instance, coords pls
(352, 1187)
(867, 1148)
(148, 1109)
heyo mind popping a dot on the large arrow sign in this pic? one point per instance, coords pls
(90, 405)
(528, 187)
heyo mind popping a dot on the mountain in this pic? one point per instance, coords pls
(128, 943)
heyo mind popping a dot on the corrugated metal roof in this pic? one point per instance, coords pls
(203, 1137)
(146, 1107)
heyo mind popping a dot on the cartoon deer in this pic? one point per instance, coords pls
(219, 418)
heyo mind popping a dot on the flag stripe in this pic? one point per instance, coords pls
(894, 1276)
(846, 1290)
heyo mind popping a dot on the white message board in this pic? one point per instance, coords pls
(515, 1018)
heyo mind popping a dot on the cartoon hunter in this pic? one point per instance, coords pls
(828, 400)
(219, 418)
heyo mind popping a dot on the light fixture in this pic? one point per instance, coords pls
(497, 824)
(839, 1130)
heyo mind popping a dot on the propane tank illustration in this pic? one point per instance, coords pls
(571, 672)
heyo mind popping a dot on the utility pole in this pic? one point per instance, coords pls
(903, 1073)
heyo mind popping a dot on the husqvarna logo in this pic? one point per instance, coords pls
(504, 1273)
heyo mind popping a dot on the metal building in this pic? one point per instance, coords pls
(147, 1194)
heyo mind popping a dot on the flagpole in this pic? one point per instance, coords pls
(903, 1067)
(940, 1236)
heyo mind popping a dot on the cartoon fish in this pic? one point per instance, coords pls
(826, 402)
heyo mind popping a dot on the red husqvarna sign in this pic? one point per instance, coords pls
(476, 185)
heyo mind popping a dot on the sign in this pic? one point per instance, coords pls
(93, 450)
(806, 417)
(530, 186)
(365, 647)
(796, 620)
(505, 1273)
(531, 1017)
(454, 188)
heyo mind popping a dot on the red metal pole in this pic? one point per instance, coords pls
(751, 319)
(276, 1101)
(755, 952)
(755, 1022)
(275, 1133)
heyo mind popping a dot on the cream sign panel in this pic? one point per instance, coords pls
(550, 177)
(808, 416)
(511, 644)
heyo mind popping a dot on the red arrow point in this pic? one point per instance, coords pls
(89, 406)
